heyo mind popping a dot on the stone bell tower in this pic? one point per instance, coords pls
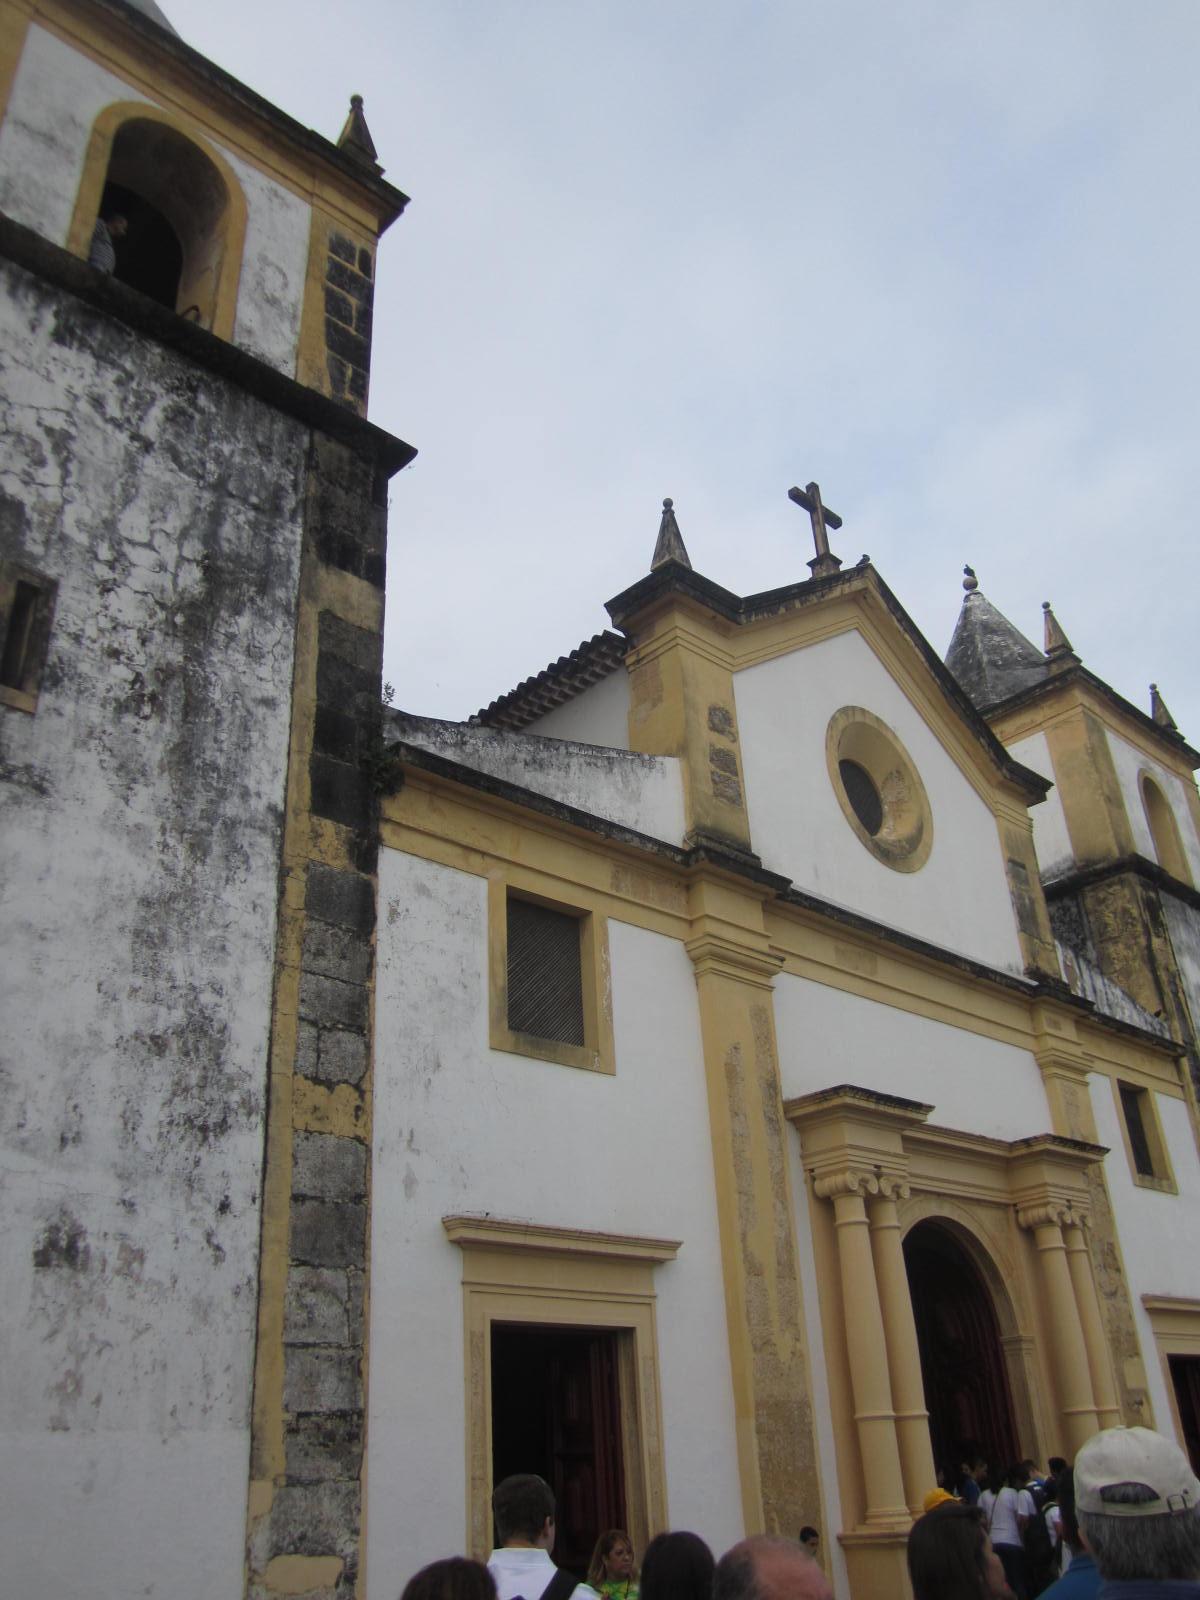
(192, 527)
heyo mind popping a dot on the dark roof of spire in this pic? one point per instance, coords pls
(989, 657)
(670, 546)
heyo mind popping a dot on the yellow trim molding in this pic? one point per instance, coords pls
(515, 1273)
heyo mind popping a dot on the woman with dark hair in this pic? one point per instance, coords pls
(612, 1572)
(951, 1558)
(456, 1578)
(677, 1566)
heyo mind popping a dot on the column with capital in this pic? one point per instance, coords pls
(903, 1353)
(1079, 1262)
(866, 1347)
(1068, 1350)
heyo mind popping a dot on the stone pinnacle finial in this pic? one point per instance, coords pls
(970, 581)
(1158, 710)
(355, 138)
(1057, 646)
(670, 546)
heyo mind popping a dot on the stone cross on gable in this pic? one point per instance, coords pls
(825, 563)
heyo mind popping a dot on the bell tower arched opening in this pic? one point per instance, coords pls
(963, 1369)
(184, 205)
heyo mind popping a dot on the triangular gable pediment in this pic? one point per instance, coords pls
(756, 628)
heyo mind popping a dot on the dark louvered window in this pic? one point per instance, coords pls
(1135, 1123)
(545, 977)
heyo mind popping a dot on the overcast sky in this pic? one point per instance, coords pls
(940, 257)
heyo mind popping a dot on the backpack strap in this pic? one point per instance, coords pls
(561, 1586)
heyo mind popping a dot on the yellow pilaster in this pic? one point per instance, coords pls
(681, 704)
(1068, 1351)
(776, 1443)
(1108, 1408)
(874, 1413)
(14, 26)
(1097, 822)
(903, 1354)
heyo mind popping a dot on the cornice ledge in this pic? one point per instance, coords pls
(500, 1233)
(1171, 1302)
(850, 1097)
(1076, 1152)
(710, 952)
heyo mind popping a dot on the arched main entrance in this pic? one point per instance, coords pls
(962, 1360)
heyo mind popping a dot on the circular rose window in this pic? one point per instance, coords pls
(879, 789)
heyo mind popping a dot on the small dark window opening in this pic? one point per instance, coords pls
(22, 622)
(545, 973)
(26, 609)
(862, 795)
(1135, 1124)
(149, 257)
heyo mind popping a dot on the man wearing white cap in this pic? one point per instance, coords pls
(1138, 1503)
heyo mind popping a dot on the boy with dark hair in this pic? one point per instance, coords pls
(523, 1507)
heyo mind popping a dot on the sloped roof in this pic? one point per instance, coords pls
(149, 9)
(989, 657)
(561, 681)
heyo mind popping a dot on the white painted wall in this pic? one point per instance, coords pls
(56, 97)
(600, 715)
(641, 792)
(140, 825)
(975, 1084)
(959, 899)
(1157, 1231)
(1050, 837)
(1129, 761)
(459, 1127)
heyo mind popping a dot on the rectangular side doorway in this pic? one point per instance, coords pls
(556, 1411)
(1185, 1378)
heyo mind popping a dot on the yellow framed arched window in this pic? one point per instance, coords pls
(190, 209)
(1164, 830)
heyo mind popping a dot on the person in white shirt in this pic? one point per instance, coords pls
(1006, 1510)
(523, 1507)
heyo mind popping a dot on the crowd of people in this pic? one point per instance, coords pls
(1122, 1523)
(675, 1566)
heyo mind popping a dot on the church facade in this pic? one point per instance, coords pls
(738, 1071)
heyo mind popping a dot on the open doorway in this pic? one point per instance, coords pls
(149, 257)
(962, 1361)
(556, 1411)
(1185, 1379)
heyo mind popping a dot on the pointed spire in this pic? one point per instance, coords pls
(355, 138)
(990, 658)
(1158, 710)
(1058, 646)
(670, 541)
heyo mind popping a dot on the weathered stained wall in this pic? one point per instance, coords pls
(141, 815)
(637, 791)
